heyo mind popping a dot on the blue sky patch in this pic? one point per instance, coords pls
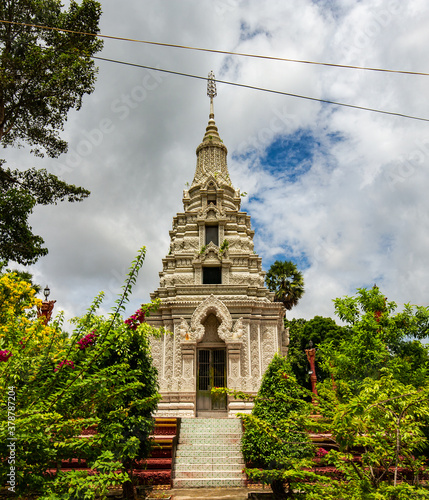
(291, 155)
(246, 33)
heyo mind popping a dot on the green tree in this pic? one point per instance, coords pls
(319, 331)
(287, 283)
(54, 386)
(383, 426)
(275, 435)
(378, 338)
(43, 74)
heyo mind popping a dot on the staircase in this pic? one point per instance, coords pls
(209, 454)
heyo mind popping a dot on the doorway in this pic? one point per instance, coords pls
(211, 372)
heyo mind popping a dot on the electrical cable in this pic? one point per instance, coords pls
(325, 101)
(215, 51)
(252, 87)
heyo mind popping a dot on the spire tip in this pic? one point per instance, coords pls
(211, 85)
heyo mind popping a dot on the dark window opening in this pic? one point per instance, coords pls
(212, 275)
(211, 198)
(212, 234)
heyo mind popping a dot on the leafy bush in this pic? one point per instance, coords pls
(54, 387)
(275, 434)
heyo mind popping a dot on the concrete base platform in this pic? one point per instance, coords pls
(214, 493)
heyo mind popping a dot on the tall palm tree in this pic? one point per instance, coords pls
(286, 282)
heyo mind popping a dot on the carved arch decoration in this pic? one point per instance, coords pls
(211, 184)
(211, 305)
(211, 253)
(211, 212)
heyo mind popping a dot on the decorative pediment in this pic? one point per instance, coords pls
(211, 253)
(212, 212)
(211, 305)
(210, 184)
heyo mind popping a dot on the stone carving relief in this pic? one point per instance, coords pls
(268, 345)
(184, 244)
(211, 253)
(240, 244)
(184, 330)
(168, 359)
(242, 261)
(238, 330)
(246, 279)
(211, 212)
(184, 279)
(211, 326)
(211, 305)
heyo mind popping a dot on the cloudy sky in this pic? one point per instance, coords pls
(342, 192)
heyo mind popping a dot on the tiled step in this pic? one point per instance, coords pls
(192, 433)
(202, 450)
(209, 454)
(190, 460)
(209, 467)
(208, 483)
(210, 474)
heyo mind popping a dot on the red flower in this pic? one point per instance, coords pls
(87, 340)
(5, 355)
(66, 362)
(135, 320)
(321, 452)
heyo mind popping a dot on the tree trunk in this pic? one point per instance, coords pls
(128, 491)
(279, 489)
(398, 448)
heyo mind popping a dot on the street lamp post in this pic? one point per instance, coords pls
(311, 356)
(47, 306)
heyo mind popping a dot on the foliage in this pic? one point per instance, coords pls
(43, 74)
(86, 485)
(275, 434)
(17, 315)
(377, 406)
(379, 432)
(224, 247)
(350, 490)
(102, 375)
(287, 283)
(377, 338)
(385, 421)
(319, 331)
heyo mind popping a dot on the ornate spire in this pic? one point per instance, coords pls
(211, 153)
(211, 91)
(211, 130)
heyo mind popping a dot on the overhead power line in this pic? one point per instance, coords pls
(216, 51)
(280, 92)
(363, 108)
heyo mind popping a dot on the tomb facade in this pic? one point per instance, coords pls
(225, 324)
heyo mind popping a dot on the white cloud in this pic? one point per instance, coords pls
(358, 215)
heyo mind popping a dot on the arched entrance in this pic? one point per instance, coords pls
(211, 369)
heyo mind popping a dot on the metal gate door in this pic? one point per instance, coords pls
(211, 373)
